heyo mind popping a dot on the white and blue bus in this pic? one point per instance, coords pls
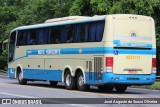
(109, 51)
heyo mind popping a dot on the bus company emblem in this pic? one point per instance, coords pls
(133, 35)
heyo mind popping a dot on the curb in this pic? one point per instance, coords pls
(2, 76)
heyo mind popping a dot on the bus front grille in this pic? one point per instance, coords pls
(98, 63)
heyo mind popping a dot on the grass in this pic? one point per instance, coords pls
(155, 86)
(4, 74)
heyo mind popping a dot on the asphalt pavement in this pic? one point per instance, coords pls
(9, 88)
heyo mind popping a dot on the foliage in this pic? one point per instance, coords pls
(99, 7)
(16, 13)
(155, 86)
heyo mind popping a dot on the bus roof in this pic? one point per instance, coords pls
(64, 21)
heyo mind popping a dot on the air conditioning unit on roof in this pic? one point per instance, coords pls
(66, 18)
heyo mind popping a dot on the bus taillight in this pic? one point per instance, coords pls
(109, 64)
(153, 65)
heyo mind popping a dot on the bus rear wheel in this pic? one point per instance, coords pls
(80, 82)
(105, 88)
(53, 83)
(70, 82)
(120, 88)
(21, 80)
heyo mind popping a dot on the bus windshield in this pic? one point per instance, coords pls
(12, 46)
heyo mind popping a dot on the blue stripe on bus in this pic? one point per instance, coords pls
(127, 44)
(95, 50)
(111, 78)
(106, 78)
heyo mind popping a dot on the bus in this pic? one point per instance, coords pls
(107, 51)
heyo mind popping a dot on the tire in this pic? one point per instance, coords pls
(70, 82)
(21, 80)
(121, 88)
(80, 83)
(53, 83)
(105, 88)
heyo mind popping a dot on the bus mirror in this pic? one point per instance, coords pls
(4, 45)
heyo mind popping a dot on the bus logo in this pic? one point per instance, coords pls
(133, 35)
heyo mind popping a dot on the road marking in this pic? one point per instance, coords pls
(104, 94)
(16, 95)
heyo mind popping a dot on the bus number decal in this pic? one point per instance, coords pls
(133, 57)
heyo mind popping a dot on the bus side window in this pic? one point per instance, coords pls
(22, 38)
(32, 39)
(99, 32)
(70, 33)
(19, 38)
(96, 30)
(86, 33)
(42, 36)
(55, 36)
(51, 36)
(92, 32)
(80, 33)
(63, 31)
(83, 33)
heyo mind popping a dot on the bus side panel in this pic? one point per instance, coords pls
(38, 74)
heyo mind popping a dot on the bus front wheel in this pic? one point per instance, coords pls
(21, 80)
(120, 88)
(70, 82)
(80, 82)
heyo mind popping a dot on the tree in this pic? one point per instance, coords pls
(80, 7)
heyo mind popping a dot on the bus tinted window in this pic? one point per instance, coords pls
(75, 33)
(86, 36)
(63, 35)
(32, 37)
(80, 33)
(70, 30)
(96, 31)
(55, 36)
(99, 31)
(20, 38)
(42, 36)
(92, 32)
